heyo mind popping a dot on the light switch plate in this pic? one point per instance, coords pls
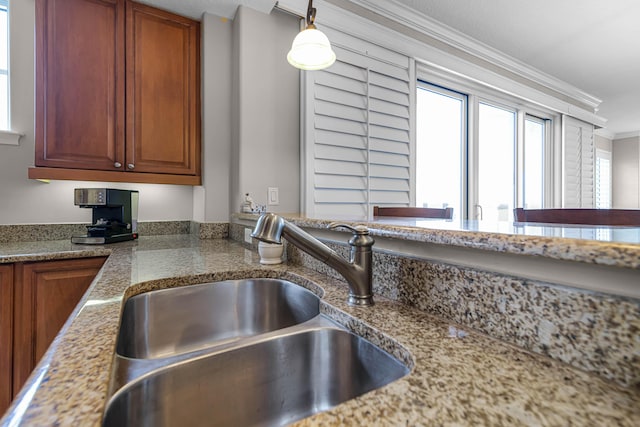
(273, 198)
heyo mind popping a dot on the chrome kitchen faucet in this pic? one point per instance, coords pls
(357, 271)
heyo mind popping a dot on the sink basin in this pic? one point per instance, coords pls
(272, 382)
(175, 321)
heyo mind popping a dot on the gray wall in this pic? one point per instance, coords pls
(211, 200)
(266, 123)
(268, 128)
(626, 173)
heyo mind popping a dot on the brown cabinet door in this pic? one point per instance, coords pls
(163, 92)
(6, 336)
(80, 84)
(45, 295)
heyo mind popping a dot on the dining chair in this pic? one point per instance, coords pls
(582, 216)
(415, 212)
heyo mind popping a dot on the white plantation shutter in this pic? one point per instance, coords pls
(578, 164)
(603, 179)
(356, 148)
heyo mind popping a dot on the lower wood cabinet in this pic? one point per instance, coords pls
(6, 335)
(40, 296)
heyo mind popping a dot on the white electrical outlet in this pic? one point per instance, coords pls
(273, 198)
(247, 235)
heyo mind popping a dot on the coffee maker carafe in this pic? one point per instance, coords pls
(115, 215)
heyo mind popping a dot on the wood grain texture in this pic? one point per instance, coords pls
(163, 91)
(92, 113)
(6, 336)
(626, 217)
(415, 212)
(46, 293)
(112, 176)
(80, 83)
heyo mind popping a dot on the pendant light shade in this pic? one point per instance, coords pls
(311, 49)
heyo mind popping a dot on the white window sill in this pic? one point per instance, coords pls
(8, 137)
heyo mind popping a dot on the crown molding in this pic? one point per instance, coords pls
(264, 6)
(605, 133)
(425, 43)
(417, 21)
(623, 135)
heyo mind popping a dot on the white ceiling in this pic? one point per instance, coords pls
(592, 44)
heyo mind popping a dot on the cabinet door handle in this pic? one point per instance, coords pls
(117, 165)
(131, 166)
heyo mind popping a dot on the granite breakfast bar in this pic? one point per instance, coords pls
(458, 376)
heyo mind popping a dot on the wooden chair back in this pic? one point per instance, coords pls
(445, 213)
(628, 217)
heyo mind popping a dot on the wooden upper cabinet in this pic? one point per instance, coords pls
(163, 75)
(83, 122)
(80, 84)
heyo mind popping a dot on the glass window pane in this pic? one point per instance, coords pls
(534, 132)
(4, 63)
(496, 159)
(3, 38)
(4, 113)
(440, 124)
(603, 179)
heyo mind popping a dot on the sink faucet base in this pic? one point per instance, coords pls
(357, 271)
(360, 300)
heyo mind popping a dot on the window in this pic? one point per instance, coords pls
(351, 160)
(496, 162)
(480, 153)
(535, 136)
(4, 65)
(603, 179)
(441, 137)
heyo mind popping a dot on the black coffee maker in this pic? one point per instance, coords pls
(115, 215)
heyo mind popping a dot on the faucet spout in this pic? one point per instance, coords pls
(357, 271)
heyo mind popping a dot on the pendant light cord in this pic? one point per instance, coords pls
(311, 14)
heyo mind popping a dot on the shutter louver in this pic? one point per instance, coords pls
(588, 196)
(357, 132)
(389, 140)
(603, 181)
(579, 164)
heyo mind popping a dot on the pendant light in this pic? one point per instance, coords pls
(311, 49)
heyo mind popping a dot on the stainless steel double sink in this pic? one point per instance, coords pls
(251, 352)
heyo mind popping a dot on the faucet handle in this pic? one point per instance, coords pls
(361, 241)
(359, 230)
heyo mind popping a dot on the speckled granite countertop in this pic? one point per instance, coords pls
(455, 379)
(609, 246)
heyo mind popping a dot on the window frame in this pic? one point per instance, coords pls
(8, 136)
(477, 210)
(547, 157)
(4, 8)
(464, 98)
(601, 154)
(477, 93)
